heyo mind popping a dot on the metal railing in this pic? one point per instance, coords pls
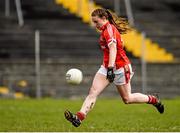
(18, 11)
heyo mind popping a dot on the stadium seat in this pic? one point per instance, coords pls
(18, 95)
(4, 90)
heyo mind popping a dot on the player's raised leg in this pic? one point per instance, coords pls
(98, 85)
(129, 98)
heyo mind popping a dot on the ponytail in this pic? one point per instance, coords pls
(120, 23)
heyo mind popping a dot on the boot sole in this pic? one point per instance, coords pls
(68, 115)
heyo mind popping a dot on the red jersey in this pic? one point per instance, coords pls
(110, 34)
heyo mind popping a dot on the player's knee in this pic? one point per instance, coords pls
(93, 92)
(92, 96)
(126, 100)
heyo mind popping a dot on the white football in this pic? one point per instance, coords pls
(74, 76)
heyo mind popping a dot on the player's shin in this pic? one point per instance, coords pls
(88, 104)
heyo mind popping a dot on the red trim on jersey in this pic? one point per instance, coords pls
(127, 73)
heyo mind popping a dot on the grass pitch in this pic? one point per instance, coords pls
(46, 115)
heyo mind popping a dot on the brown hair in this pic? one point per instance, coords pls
(120, 23)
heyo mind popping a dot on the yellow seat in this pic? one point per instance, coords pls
(18, 95)
(58, 1)
(4, 90)
(73, 7)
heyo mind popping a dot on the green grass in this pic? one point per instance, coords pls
(46, 115)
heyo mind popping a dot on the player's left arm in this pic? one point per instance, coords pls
(112, 54)
(112, 58)
(110, 38)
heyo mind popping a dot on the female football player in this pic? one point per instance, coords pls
(116, 67)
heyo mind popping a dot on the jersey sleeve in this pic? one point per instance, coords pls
(110, 35)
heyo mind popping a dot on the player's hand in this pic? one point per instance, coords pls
(110, 74)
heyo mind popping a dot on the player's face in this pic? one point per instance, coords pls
(97, 21)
